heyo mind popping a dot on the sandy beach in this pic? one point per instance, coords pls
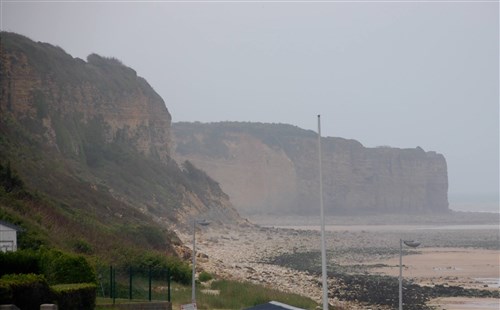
(458, 256)
(461, 303)
(470, 268)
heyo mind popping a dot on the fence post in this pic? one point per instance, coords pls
(168, 284)
(114, 285)
(130, 283)
(110, 281)
(149, 283)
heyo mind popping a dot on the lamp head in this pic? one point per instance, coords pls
(203, 222)
(411, 243)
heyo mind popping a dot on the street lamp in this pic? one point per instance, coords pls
(202, 223)
(324, 276)
(412, 244)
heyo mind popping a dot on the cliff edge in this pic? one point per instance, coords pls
(273, 168)
(76, 130)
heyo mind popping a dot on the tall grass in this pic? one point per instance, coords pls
(237, 295)
(233, 295)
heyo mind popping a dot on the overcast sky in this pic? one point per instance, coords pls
(402, 74)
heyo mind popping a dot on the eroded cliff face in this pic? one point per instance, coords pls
(101, 126)
(54, 95)
(268, 168)
(255, 175)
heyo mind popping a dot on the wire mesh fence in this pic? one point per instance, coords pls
(134, 283)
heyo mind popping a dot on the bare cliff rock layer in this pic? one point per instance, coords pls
(73, 128)
(41, 82)
(273, 168)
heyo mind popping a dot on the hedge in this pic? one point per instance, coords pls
(29, 291)
(57, 267)
(61, 268)
(22, 261)
(80, 296)
(26, 291)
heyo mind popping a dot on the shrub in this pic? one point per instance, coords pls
(56, 266)
(19, 262)
(205, 276)
(75, 296)
(82, 246)
(26, 291)
(5, 292)
(179, 271)
(61, 268)
(9, 179)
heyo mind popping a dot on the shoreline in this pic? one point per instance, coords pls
(244, 253)
(382, 227)
(452, 217)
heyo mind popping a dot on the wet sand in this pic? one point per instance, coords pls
(469, 268)
(461, 303)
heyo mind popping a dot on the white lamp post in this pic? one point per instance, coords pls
(323, 246)
(412, 244)
(203, 223)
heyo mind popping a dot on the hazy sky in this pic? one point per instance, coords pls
(402, 73)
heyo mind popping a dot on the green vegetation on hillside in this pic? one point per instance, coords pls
(47, 225)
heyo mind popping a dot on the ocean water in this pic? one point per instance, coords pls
(475, 204)
(391, 227)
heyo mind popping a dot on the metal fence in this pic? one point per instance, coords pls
(134, 284)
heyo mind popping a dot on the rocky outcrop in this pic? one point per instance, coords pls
(273, 168)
